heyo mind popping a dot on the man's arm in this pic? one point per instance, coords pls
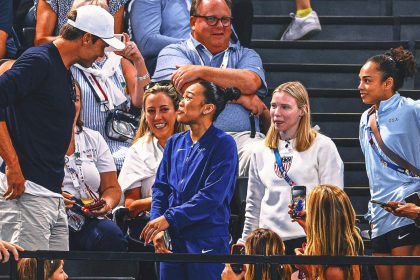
(15, 179)
(146, 20)
(45, 23)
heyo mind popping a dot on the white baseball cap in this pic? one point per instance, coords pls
(97, 21)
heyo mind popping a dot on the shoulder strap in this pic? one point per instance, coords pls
(393, 156)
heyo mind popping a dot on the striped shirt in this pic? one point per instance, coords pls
(95, 119)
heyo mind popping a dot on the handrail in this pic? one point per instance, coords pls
(176, 257)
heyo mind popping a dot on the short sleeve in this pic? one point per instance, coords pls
(104, 161)
(115, 5)
(168, 58)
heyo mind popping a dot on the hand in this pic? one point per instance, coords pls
(159, 242)
(184, 75)
(152, 228)
(6, 248)
(409, 210)
(252, 103)
(302, 267)
(15, 182)
(68, 201)
(228, 273)
(302, 220)
(105, 209)
(130, 51)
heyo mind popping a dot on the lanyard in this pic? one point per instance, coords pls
(283, 172)
(76, 172)
(225, 56)
(375, 148)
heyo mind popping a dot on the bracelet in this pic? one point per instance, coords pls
(142, 78)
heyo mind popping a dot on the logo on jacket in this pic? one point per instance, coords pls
(287, 162)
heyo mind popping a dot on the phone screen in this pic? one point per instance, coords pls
(298, 200)
(384, 204)
(237, 249)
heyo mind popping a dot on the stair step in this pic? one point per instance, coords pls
(344, 28)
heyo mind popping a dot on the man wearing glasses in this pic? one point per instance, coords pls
(36, 117)
(210, 55)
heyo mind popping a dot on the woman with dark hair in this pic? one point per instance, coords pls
(194, 185)
(392, 124)
(91, 177)
(262, 242)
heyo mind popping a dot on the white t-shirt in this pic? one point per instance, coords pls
(140, 165)
(268, 192)
(95, 158)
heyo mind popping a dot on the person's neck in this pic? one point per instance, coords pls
(215, 50)
(197, 130)
(162, 142)
(71, 148)
(68, 51)
(288, 135)
(386, 96)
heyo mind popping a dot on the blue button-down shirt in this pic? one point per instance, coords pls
(234, 118)
(158, 23)
(195, 183)
(399, 125)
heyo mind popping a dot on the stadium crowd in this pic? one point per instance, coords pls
(93, 127)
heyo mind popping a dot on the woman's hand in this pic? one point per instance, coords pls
(68, 201)
(131, 51)
(152, 228)
(228, 273)
(302, 220)
(409, 210)
(159, 243)
(301, 267)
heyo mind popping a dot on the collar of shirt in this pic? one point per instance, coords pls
(207, 136)
(389, 104)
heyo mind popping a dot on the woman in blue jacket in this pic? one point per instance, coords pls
(194, 185)
(398, 121)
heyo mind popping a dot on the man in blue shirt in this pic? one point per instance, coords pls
(36, 117)
(209, 55)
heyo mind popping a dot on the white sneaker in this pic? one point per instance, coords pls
(301, 26)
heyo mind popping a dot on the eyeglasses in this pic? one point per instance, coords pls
(163, 83)
(212, 20)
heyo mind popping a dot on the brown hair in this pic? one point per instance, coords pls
(27, 268)
(331, 229)
(172, 93)
(305, 133)
(266, 242)
(196, 3)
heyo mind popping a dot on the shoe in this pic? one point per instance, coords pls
(301, 26)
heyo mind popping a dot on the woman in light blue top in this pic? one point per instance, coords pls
(398, 122)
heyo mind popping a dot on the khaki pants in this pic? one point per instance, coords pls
(34, 222)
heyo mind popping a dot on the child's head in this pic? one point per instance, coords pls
(267, 243)
(53, 269)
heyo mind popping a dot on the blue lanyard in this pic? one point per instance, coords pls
(375, 148)
(283, 172)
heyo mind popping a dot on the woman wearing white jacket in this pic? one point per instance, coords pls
(307, 158)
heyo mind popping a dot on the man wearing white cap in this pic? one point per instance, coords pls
(36, 116)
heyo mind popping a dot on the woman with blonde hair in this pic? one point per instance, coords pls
(262, 242)
(331, 231)
(293, 154)
(158, 123)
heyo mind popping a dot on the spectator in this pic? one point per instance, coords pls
(331, 229)
(90, 176)
(194, 185)
(208, 55)
(104, 87)
(6, 248)
(51, 15)
(40, 84)
(263, 242)
(158, 23)
(304, 23)
(307, 158)
(53, 269)
(397, 120)
(157, 124)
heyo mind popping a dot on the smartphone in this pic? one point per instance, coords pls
(385, 204)
(413, 198)
(96, 205)
(120, 37)
(167, 239)
(298, 201)
(237, 249)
